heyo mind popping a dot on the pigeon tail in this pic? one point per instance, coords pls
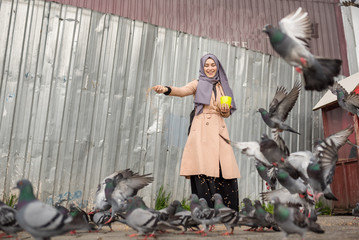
(288, 128)
(320, 75)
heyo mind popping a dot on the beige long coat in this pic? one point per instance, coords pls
(205, 150)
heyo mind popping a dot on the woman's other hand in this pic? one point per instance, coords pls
(160, 89)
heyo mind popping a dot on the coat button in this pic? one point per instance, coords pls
(207, 123)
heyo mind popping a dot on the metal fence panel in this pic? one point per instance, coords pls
(76, 101)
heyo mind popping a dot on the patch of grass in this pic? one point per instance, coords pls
(323, 209)
(163, 199)
(10, 200)
(186, 204)
(269, 208)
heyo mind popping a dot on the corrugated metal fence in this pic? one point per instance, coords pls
(76, 106)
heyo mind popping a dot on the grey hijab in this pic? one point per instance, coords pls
(205, 85)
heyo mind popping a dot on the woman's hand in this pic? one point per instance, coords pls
(160, 89)
(225, 108)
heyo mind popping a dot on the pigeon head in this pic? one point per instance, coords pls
(262, 111)
(264, 137)
(282, 174)
(340, 94)
(203, 203)
(26, 192)
(247, 202)
(110, 187)
(218, 201)
(275, 35)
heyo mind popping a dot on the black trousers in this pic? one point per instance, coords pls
(205, 187)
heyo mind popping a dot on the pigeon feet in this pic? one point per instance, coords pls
(211, 228)
(73, 232)
(227, 233)
(199, 232)
(298, 69)
(133, 235)
(203, 234)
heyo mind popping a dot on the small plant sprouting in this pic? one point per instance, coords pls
(163, 199)
(323, 209)
(10, 200)
(186, 204)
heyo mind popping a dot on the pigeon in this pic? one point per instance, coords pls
(116, 207)
(264, 218)
(251, 149)
(351, 3)
(249, 212)
(321, 169)
(291, 42)
(144, 221)
(280, 107)
(347, 101)
(291, 220)
(183, 216)
(8, 222)
(127, 185)
(102, 219)
(355, 211)
(40, 220)
(229, 217)
(285, 197)
(293, 185)
(267, 175)
(276, 156)
(205, 216)
(79, 217)
(61, 208)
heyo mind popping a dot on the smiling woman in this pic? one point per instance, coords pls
(207, 159)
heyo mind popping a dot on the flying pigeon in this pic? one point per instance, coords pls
(347, 101)
(291, 42)
(355, 211)
(204, 216)
(291, 220)
(8, 222)
(127, 185)
(280, 107)
(140, 218)
(268, 175)
(350, 3)
(40, 220)
(276, 156)
(285, 197)
(321, 169)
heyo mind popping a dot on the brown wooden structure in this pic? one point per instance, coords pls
(345, 184)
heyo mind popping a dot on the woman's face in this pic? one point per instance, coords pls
(210, 68)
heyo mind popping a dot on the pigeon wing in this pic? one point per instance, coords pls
(297, 26)
(353, 99)
(7, 215)
(340, 138)
(279, 140)
(286, 105)
(280, 94)
(327, 159)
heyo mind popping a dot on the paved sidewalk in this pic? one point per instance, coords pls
(336, 227)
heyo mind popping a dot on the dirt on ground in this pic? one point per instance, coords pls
(336, 227)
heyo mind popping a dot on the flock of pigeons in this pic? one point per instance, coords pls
(304, 176)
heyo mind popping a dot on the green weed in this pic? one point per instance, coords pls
(163, 199)
(10, 200)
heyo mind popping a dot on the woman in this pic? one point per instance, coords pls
(207, 159)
